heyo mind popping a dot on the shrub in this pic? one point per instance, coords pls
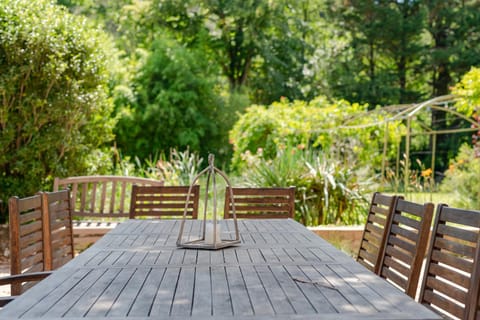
(55, 109)
(463, 179)
(340, 127)
(177, 105)
(328, 191)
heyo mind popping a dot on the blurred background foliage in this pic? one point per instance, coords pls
(148, 87)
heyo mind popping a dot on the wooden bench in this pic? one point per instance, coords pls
(99, 203)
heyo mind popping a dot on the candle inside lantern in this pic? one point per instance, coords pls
(210, 238)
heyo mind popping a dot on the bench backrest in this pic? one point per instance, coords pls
(101, 196)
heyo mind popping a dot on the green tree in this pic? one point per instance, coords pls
(54, 109)
(454, 28)
(260, 45)
(176, 105)
(379, 64)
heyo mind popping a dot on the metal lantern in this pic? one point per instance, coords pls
(211, 235)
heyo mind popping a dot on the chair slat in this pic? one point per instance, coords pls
(374, 234)
(374, 239)
(455, 247)
(402, 255)
(446, 289)
(402, 232)
(93, 196)
(452, 276)
(407, 221)
(406, 242)
(27, 247)
(60, 238)
(164, 201)
(399, 244)
(468, 235)
(445, 304)
(395, 264)
(33, 227)
(33, 215)
(453, 261)
(260, 203)
(103, 198)
(122, 196)
(33, 249)
(396, 278)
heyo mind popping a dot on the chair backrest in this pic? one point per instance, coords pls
(452, 277)
(27, 245)
(164, 201)
(406, 244)
(101, 196)
(261, 203)
(374, 233)
(60, 235)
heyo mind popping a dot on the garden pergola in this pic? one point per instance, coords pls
(408, 113)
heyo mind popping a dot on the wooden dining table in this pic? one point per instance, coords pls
(280, 270)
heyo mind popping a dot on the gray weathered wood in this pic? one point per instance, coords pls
(280, 271)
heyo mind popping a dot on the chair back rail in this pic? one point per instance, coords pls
(374, 234)
(406, 244)
(452, 277)
(19, 279)
(58, 206)
(261, 203)
(101, 196)
(164, 201)
(28, 247)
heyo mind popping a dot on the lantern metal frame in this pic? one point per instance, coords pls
(217, 242)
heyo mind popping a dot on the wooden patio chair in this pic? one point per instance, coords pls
(374, 233)
(261, 203)
(57, 206)
(452, 277)
(164, 201)
(29, 250)
(406, 244)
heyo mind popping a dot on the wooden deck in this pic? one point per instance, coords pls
(280, 271)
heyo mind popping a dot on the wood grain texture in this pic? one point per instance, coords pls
(451, 282)
(59, 233)
(164, 201)
(406, 244)
(260, 203)
(98, 197)
(29, 252)
(281, 271)
(374, 235)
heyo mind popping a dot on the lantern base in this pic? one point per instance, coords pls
(201, 244)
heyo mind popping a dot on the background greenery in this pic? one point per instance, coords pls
(122, 86)
(55, 109)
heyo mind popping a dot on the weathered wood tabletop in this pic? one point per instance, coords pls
(281, 270)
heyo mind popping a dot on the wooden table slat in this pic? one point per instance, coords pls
(279, 271)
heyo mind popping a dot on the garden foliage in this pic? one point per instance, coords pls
(176, 105)
(327, 190)
(463, 175)
(329, 151)
(54, 107)
(339, 128)
(462, 179)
